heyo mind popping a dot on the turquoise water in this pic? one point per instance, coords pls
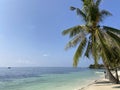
(46, 78)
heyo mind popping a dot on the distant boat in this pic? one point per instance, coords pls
(9, 67)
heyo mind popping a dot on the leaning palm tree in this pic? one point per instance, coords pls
(93, 39)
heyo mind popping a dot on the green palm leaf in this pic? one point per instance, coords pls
(81, 13)
(117, 31)
(87, 52)
(72, 8)
(107, 51)
(98, 2)
(116, 41)
(115, 37)
(74, 41)
(73, 31)
(79, 52)
(105, 13)
(104, 51)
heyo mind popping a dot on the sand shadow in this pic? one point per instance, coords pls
(106, 83)
(103, 83)
(116, 87)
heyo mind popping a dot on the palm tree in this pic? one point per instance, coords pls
(93, 39)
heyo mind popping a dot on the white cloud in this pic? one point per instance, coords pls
(45, 55)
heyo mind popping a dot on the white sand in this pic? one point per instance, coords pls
(102, 84)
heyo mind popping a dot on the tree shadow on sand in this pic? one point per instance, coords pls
(116, 87)
(106, 83)
(103, 83)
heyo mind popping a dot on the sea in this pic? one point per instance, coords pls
(47, 78)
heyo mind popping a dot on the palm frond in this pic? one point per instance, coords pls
(74, 41)
(88, 49)
(72, 8)
(115, 37)
(115, 40)
(87, 2)
(98, 2)
(117, 31)
(104, 51)
(81, 13)
(92, 14)
(73, 31)
(79, 52)
(105, 13)
(111, 41)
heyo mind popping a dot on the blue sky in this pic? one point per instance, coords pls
(30, 31)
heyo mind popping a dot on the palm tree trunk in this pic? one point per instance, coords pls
(117, 77)
(111, 77)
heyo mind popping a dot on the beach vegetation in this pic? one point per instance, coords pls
(99, 66)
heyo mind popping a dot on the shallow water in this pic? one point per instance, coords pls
(46, 78)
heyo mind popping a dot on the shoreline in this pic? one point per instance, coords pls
(86, 86)
(101, 84)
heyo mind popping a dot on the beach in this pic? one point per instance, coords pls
(102, 84)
